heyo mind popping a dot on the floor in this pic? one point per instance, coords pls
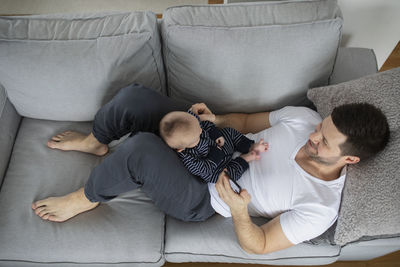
(390, 260)
(393, 61)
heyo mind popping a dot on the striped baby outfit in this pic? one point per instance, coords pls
(207, 161)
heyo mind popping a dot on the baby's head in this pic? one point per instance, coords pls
(180, 130)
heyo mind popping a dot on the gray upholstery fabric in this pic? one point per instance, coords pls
(65, 66)
(9, 123)
(250, 57)
(352, 63)
(215, 241)
(128, 229)
(367, 250)
(371, 196)
(257, 14)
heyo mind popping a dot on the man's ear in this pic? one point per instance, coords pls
(352, 159)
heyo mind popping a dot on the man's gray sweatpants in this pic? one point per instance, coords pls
(142, 159)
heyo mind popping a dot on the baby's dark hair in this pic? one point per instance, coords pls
(365, 126)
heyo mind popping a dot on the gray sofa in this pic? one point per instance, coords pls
(56, 71)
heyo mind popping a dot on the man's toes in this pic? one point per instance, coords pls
(37, 204)
(43, 212)
(53, 144)
(39, 210)
(56, 138)
(41, 203)
(45, 217)
(54, 218)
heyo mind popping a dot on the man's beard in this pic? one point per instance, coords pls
(324, 161)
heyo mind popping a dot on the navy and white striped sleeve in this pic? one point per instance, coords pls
(236, 168)
(212, 130)
(205, 168)
(241, 142)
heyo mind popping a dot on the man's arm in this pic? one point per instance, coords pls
(243, 122)
(252, 238)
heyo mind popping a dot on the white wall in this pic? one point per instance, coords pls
(372, 24)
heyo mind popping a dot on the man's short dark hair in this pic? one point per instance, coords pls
(365, 126)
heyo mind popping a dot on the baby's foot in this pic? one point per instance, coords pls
(252, 155)
(70, 140)
(260, 147)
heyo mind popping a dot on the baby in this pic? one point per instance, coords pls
(206, 150)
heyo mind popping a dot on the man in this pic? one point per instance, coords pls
(298, 182)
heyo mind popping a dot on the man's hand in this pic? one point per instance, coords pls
(220, 141)
(203, 112)
(236, 202)
(252, 238)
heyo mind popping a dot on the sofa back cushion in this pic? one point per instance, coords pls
(250, 57)
(9, 123)
(65, 67)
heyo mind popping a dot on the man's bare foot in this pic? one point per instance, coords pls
(70, 140)
(60, 209)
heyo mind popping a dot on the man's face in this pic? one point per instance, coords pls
(323, 144)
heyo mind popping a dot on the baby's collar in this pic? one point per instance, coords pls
(197, 117)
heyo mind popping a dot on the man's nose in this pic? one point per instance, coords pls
(315, 137)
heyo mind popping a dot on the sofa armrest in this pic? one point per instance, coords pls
(352, 63)
(9, 122)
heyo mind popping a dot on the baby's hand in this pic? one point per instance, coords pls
(259, 147)
(252, 155)
(220, 141)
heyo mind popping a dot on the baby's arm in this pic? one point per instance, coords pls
(205, 168)
(236, 168)
(241, 143)
(214, 133)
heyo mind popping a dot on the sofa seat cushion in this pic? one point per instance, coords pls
(215, 241)
(127, 229)
(250, 57)
(66, 66)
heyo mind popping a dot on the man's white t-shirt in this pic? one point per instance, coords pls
(279, 186)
